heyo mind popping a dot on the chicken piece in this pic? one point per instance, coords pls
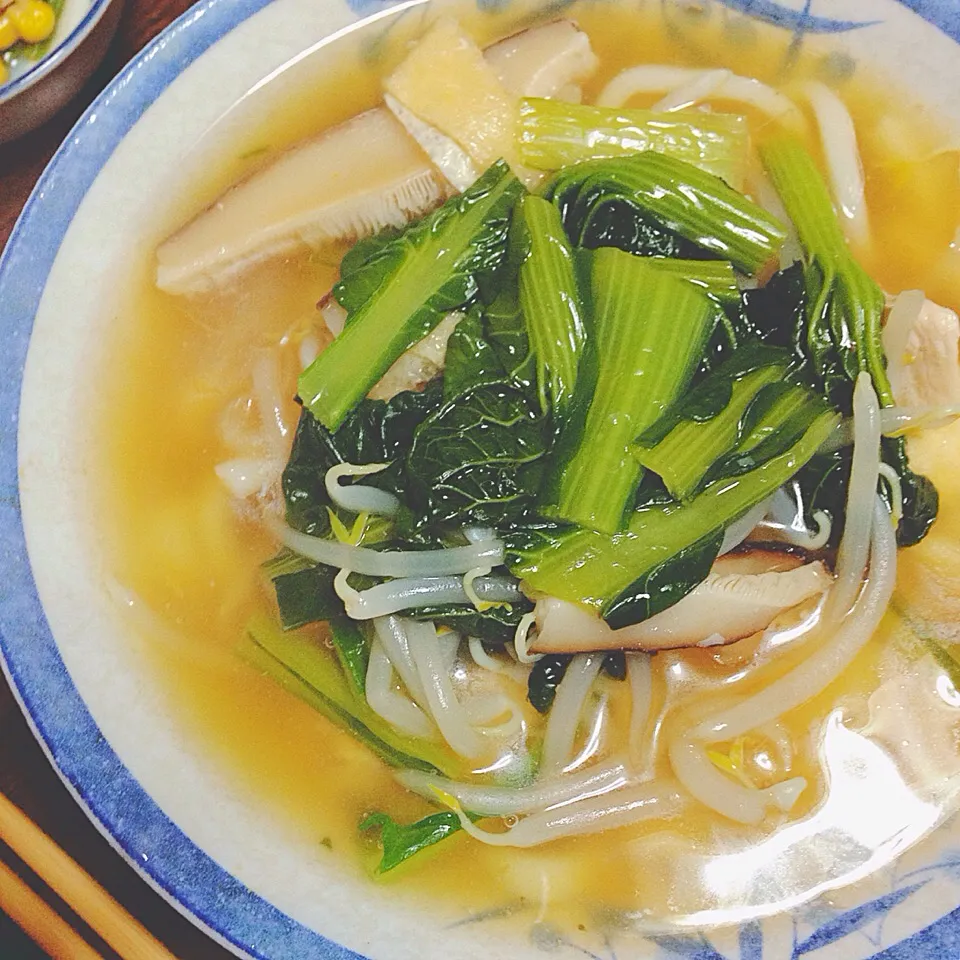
(922, 342)
(420, 364)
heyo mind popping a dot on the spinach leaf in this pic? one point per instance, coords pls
(774, 315)
(844, 315)
(544, 678)
(307, 596)
(665, 584)
(505, 330)
(352, 646)
(400, 841)
(471, 358)
(821, 484)
(619, 223)
(377, 431)
(354, 285)
(478, 457)
(676, 197)
(780, 414)
(776, 312)
(615, 665)
(921, 502)
(495, 625)
(712, 395)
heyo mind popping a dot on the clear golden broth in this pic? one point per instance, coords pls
(179, 544)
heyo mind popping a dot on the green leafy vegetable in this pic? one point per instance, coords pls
(716, 278)
(304, 667)
(544, 678)
(614, 222)
(547, 673)
(555, 134)
(400, 841)
(776, 405)
(615, 665)
(921, 501)
(676, 196)
(776, 313)
(778, 419)
(844, 315)
(709, 421)
(648, 335)
(844, 306)
(376, 431)
(307, 596)
(664, 585)
(549, 299)
(497, 624)
(478, 457)
(471, 358)
(593, 569)
(403, 291)
(352, 646)
(506, 331)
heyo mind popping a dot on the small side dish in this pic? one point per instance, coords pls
(48, 50)
(26, 29)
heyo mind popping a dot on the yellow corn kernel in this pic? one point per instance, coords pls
(34, 19)
(9, 34)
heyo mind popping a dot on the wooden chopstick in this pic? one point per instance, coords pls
(90, 901)
(40, 921)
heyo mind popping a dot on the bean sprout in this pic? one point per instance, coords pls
(861, 493)
(388, 702)
(411, 593)
(521, 639)
(567, 710)
(515, 801)
(618, 808)
(831, 659)
(399, 563)
(896, 492)
(359, 498)
(839, 138)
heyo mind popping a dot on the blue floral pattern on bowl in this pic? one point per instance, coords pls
(821, 930)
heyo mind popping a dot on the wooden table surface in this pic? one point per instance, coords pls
(25, 775)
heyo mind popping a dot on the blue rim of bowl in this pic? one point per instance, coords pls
(58, 54)
(116, 803)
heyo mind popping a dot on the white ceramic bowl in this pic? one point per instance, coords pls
(200, 837)
(33, 95)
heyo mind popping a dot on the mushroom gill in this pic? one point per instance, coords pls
(348, 182)
(743, 594)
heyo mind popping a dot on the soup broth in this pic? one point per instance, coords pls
(190, 560)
